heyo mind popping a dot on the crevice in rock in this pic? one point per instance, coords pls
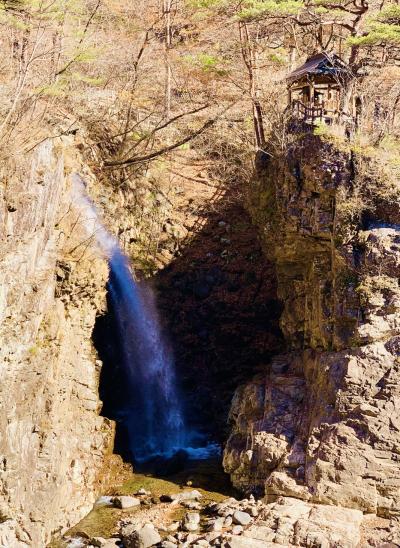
(113, 384)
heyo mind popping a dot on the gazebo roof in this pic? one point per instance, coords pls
(319, 65)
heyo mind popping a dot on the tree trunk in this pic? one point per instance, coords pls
(250, 58)
(168, 42)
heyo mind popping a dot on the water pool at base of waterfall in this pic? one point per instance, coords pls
(193, 453)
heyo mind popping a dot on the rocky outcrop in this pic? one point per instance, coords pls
(322, 423)
(52, 440)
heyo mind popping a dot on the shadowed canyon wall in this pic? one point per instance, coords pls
(218, 299)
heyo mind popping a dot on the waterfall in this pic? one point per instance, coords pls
(153, 417)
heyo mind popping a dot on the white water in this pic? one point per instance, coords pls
(153, 417)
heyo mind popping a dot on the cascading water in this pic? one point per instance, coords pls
(154, 422)
(152, 416)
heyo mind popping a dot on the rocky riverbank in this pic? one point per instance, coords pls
(190, 518)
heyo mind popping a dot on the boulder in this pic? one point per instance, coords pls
(101, 542)
(191, 521)
(71, 543)
(140, 538)
(125, 502)
(241, 518)
(193, 495)
(98, 541)
(191, 505)
(215, 524)
(252, 511)
(142, 492)
(223, 510)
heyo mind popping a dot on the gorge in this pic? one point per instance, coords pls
(270, 450)
(199, 274)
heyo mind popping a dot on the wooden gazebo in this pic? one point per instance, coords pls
(315, 89)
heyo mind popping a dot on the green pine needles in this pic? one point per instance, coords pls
(383, 29)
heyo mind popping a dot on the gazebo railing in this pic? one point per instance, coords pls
(313, 113)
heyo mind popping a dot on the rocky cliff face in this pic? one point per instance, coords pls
(323, 423)
(52, 285)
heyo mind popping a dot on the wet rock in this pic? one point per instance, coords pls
(71, 543)
(241, 518)
(147, 536)
(101, 542)
(125, 502)
(191, 521)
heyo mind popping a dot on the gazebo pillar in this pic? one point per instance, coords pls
(312, 90)
(289, 95)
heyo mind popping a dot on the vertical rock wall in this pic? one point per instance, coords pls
(323, 423)
(52, 283)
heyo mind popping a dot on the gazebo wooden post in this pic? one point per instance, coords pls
(312, 90)
(328, 101)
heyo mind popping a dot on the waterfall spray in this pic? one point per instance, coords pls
(153, 418)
